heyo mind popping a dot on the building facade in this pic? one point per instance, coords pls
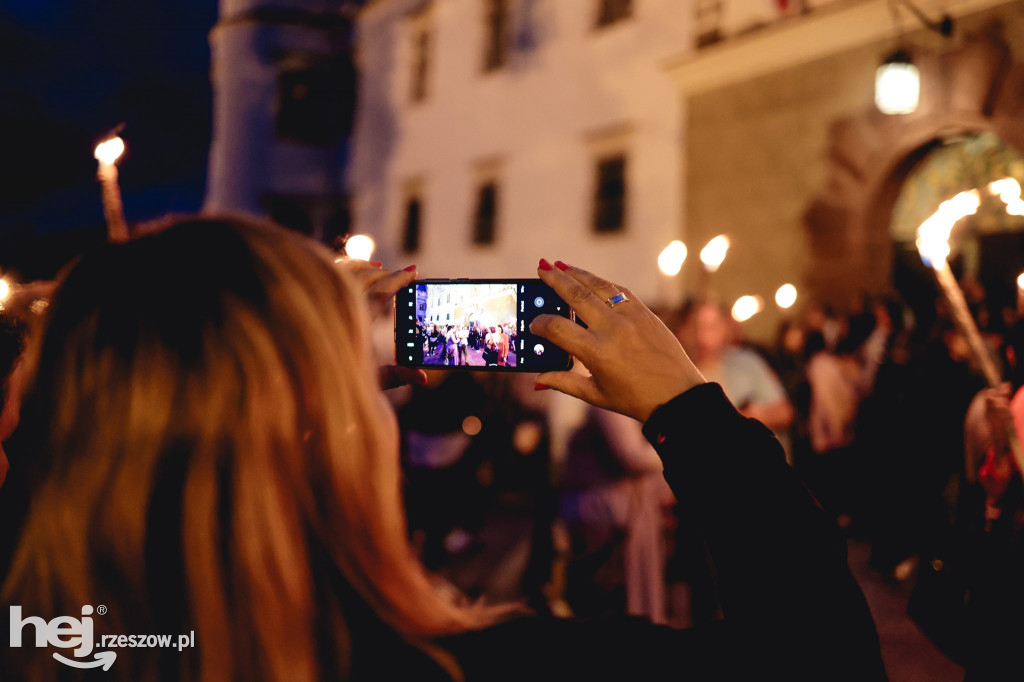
(788, 154)
(491, 133)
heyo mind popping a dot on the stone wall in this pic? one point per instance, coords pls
(763, 153)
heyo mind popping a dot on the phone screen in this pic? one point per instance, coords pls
(479, 324)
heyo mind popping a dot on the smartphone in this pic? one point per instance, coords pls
(477, 324)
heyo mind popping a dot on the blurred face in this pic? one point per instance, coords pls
(712, 331)
(959, 350)
(793, 340)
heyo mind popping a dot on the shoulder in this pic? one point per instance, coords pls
(746, 358)
(750, 371)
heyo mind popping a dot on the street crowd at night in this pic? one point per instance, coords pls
(477, 329)
(262, 418)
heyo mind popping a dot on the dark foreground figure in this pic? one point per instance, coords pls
(218, 458)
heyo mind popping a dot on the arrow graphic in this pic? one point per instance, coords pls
(104, 658)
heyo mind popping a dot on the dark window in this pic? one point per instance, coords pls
(611, 11)
(421, 66)
(339, 220)
(496, 53)
(411, 229)
(610, 194)
(486, 214)
(290, 211)
(315, 100)
(323, 217)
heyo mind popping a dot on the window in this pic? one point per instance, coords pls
(486, 213)
(323, 217)
(314, 98)
(610, 194)
(421, 64)
(496, 28)
(290, 211)
(611, 11)
(411, 227)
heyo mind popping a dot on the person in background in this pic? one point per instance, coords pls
(840, 380)
(463, 345)
(433, 336)
(612, 501)
(502, 340)
(707, 333)
(990, 511)
(789, 361)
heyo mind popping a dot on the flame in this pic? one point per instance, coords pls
(672, 257)
(713, 254)
(359, 247)
(1020, 281)
(785, 297)
(933, 234)
(1008, 190)
(746, 307)
(5, 290)
(109, 151)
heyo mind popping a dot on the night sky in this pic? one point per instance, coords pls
(73, 71)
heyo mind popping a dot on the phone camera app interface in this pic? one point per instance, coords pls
(477, 324)
(472, 324)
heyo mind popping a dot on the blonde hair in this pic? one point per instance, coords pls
(219, 458)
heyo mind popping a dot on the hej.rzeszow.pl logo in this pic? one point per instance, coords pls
(66, 632)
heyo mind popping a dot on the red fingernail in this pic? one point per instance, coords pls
(540, 387)
(544, 265)
(561, 266)
(376, 264)
(410, 268)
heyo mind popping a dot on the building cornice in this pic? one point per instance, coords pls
(790, 42)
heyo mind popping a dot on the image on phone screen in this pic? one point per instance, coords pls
(477, 324)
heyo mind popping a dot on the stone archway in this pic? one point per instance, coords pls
(973, 88)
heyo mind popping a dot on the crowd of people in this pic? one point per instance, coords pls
(220, 458)
(469, 344)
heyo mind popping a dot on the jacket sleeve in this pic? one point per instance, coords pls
(787, 594)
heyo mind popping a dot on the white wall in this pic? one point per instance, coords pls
(247, 160)
(536, 116)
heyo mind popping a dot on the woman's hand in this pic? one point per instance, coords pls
(635, 362)
(380, 287)
(999, 417)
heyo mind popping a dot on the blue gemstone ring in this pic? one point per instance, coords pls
(613, 301)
